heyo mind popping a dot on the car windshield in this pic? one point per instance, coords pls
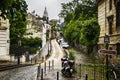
(65, 43)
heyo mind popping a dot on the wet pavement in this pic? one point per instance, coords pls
(51, 74)
(30, 72)
(22, 73)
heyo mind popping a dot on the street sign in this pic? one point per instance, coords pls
(106, 39)
(109, 52)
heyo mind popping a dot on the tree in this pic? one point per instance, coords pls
(66, 9)
(17, 18)
(89, 34)
(81, 24)
(16, 12)
(4, 7)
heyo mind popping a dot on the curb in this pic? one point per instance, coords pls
(8, 67)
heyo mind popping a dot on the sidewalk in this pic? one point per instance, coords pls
(5, 65)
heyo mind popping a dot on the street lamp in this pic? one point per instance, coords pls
(107, 41)
(19, 45)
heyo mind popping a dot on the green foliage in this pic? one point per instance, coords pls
(17, 6)
(81, 25)
(68, 17)
(53, 27)
(4, 7)
(32, 43)
(17, 18)
(33, 50)
(90, 33)
(71, 55)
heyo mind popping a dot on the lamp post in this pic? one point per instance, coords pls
(48, 42)
(107, 40)
(19, 45)
(48, 47)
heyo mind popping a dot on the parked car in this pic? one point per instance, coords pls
(65, 45)
(60, 40)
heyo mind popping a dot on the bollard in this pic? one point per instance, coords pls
(103, 71)
(76, 69)
(40, 65)
(86, 77)
(42, 58)
(94, 71)
(53, 64)
(49, 65)
(31, 60)
(57, 75)
(39, 54)
(41, 74)
(38, 74)
(35, 61)
(45, 67)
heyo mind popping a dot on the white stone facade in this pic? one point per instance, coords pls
(34, 27)
(4, 39)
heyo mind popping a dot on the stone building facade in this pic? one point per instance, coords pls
(109, 21)
(34, 26)
(4, 39)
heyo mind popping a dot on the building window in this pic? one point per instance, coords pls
(110, 22)
(110, 4)
(118, 48)
(118, 14)
(110, 28)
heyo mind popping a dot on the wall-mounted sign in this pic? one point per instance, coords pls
(109, 52)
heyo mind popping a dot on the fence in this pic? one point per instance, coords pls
(91, 71)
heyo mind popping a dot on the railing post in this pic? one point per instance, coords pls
(80, 71)
(49, 65)
(45, 67)
(41, 74)
(94, 70)
(38, 74)
(53, 64)
(86, 77)
(57, 75)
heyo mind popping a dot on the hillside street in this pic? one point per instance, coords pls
(30, 72)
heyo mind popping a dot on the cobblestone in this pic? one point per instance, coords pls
(30, 72)
(23, 73)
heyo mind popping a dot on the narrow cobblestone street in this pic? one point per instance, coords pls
(30, 72)
(57, 54)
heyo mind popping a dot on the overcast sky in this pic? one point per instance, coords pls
(53, 7)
